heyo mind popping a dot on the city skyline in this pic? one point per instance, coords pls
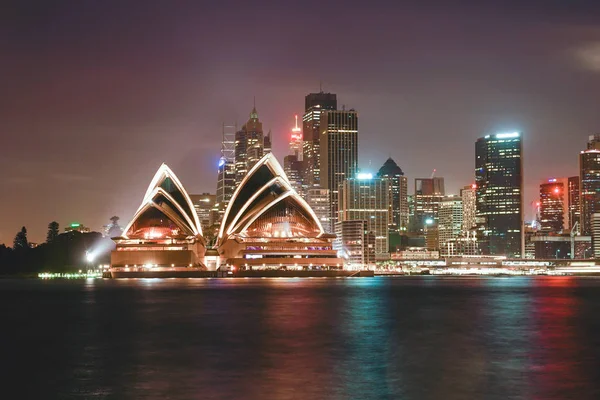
(76, 127)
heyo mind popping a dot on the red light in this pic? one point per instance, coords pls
(474, 186)
(556, 190)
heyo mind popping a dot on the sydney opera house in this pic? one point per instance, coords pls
(266, 225)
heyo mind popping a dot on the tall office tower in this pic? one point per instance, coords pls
(267, 144)
(314, 104)
(339, 152)
(589, 183)
(367, 198)
(554, 205)
(450, 225)
(249, 146)
(595, 232)
(468, 194)
(429, 192)
(355, 243)
(499, 179)
(203, 205)
(398, 194)
(320, 202)
(226, 168)
(574, 203)
(294, 170)
(296, 141)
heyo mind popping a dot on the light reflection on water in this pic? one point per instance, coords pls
(362, 338)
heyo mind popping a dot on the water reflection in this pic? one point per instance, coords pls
(408, 338)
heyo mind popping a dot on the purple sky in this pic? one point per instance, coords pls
(94, 95)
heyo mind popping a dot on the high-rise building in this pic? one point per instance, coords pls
(355, 243)
(429, 192)
(450, 224)
(249, 146)
(398, 194)
(226, 167)
(367, 198)
(203, 205)
(499, 180)
(595, 226)
(339, 152)
(314, 105)
(296, 141)
(320, 202)
(589, 183)
(554, 205)
(294, 170)
(468, 194)
(574, 203)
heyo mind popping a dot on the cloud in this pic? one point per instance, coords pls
(589, 56)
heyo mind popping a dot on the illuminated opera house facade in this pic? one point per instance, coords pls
(266, 225)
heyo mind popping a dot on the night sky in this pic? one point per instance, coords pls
(94, 95)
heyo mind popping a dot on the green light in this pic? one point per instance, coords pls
(75, 225)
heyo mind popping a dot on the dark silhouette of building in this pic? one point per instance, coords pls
(398, 185)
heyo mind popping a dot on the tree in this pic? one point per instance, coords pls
(52, 231)
(20, 241)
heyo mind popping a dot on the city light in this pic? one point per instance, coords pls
(89, 257)
(363, 175)
(429, 221)
(507, 135)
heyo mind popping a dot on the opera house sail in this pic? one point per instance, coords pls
(164, 232)
(267, 225)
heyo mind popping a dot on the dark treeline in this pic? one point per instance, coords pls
(64, 252)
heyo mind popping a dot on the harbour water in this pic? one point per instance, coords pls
(327, 338)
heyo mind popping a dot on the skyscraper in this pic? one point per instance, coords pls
(314, 104)
(450, 224)
(339, 151)
(249, 146)
(429, 192)
(398, 185)
(296, 141)
(574, 202)
(367, 198)
(499, 179)
(468, 195)
(294, 170)
(554, 205)
(226, 167)
(355, 243)
(320, 202)
(589, 183)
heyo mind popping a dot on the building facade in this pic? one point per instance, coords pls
(314, 105)
(267, 225)
(450, 225)
(249, 146)
(203, 205)
(429, 193)
(320, 201)
(499, 180)
(554, 206)
(398, 185)
(468, 194)
(367, 199)
(355, 244)
(589, 181)
(339, 152)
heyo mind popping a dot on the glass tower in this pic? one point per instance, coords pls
(499, 180)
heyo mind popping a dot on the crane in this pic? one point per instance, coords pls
(574, 232)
